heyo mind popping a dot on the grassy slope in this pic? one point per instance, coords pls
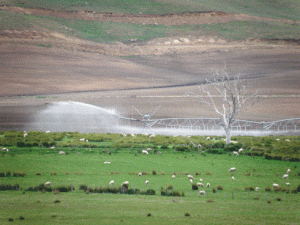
(79, 208)
(107, 31)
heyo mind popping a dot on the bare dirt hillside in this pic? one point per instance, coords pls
(162, 72)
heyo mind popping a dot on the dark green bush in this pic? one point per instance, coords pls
(194, 187)
(20, 144)
(187, 214)
(220, 188)
(182, 148)
(28, 145)
(154, 172)
(2, 174)
(148, 192)
(218, 145)
(267, 189)
(8, 174)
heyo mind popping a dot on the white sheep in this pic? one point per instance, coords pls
(285, 176)
(199, 146)
(87, 140)
(241, 149)
(124, 135)
(208, 138)
(132, 135)
(173, 176)
(208, 185)
(53, 147)
(125, 183)
(287, 140)
(232, 169)
(140, 174)
(48, 184)
(48, 131)
(201, 179)
(190, 177)
(107, 162)
(147, 182)
(275, 185)
(3, 150)
(191, 180)
(145, 152)
(234, 142)
(25, 135)
(200, 184)
(232, 178)
(81, 139)
(257, 188)
(61, 153)
(111, 182)
(149, 149)
(152, 136)
(202, 192)
(287, 184)
(235, 153)
(288, 171)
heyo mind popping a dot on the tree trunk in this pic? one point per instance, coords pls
(228, 135)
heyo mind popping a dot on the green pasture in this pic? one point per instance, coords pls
(286, 9)
(233, 204)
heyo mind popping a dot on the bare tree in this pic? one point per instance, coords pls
(230, 98)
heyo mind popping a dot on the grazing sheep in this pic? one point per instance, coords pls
(140, 174)
(288, 171)
(208, 185)
(208, 138)
(3, 150)
(201, 179)
(191, 180)
(232, 169)
(190, 177)
(107, 162)
(147, 182)
(124, 135)
(200, 184)
(235, 153)
(277, 139)
(287, 140)
(82, 139)
(241, 149)
(87, 140)
(234, 142)
(149, 149)
(285, 176)
(275, 185)
(145, 152)
(111, 182)
(48, 131)
(61, 153)
(199, 146)
(287, 184)
(202, 192)
(152, 136)
(53, 147)
(173, 176)
(257, 188)
(232, 178)
(48, 184)
(132, 135)
(25, 135)
(125, 183)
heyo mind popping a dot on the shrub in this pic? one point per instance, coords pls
(154, 172)
(220, 188)
(209, 173)
(38, 173)
(298, 188)
(22, 218)
(20, 144)
(10, 219)
(214, 190)
(278, 199)
(149, 214)
(170, 186)
(198, 173)
(2, 174)
(210, 200)
(145, 173)
(194, 187)
(267, 188)
(53, 173)
(247, 174)
(256, 198)
(269, 201)
(147, 192)
(56, 201)
(251, 188)
(187, 214)
(181, 148)
(276, 189)
(28, 145)
(247, 188)
(8, 173)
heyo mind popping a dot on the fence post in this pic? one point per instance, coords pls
(267, 196)
(134, 189)
(232, 195)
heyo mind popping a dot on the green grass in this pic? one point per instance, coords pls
(285, 9)
(77, 207)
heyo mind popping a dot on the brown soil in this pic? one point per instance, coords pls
(163, 72)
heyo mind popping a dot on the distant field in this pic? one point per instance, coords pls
(287, 9)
